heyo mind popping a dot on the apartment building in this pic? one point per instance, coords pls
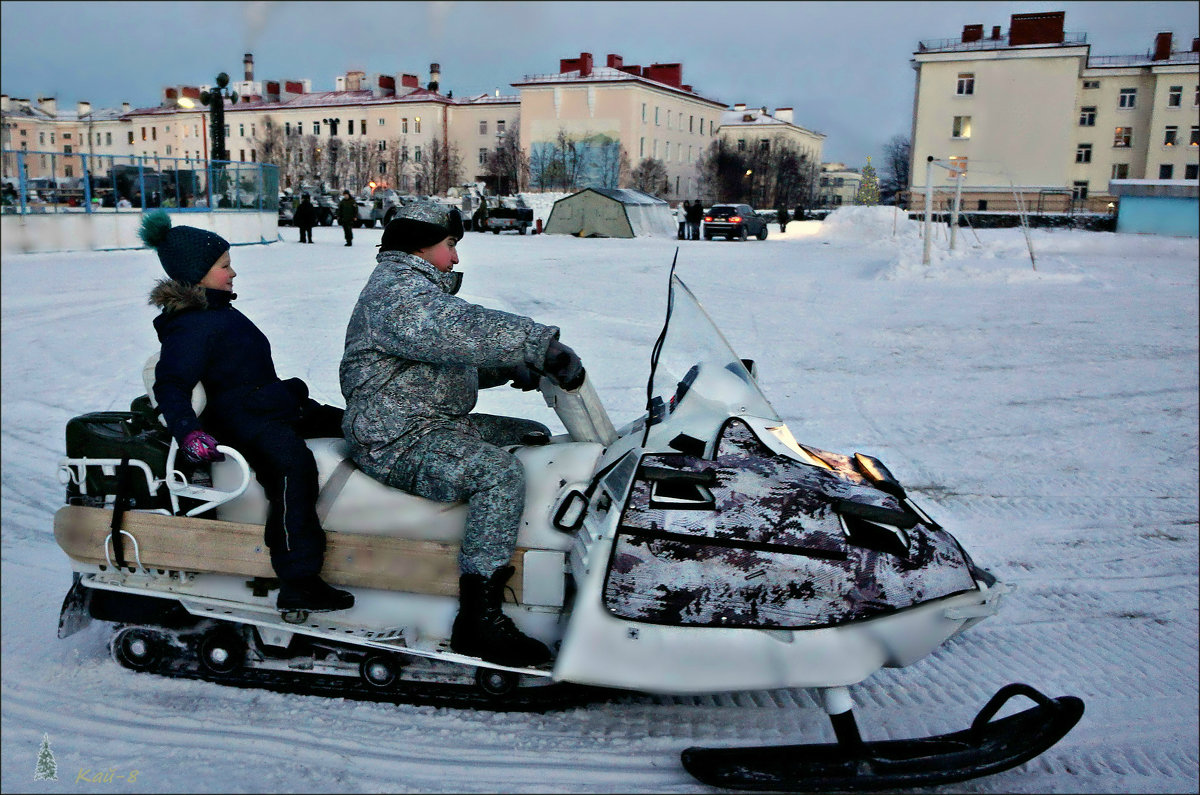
(55, 138)
(641, 111)
(1030, 107)
(753, 129)
(838, 185)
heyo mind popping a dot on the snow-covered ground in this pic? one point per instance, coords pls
(1048, 417)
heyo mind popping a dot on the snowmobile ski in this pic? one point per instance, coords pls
(987, 747)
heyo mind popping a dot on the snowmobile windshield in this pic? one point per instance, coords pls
(696, 380)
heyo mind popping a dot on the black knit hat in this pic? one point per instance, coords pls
(420, 225)
(186, 253)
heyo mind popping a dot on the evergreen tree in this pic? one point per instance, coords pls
(868, 189)
(47, 768)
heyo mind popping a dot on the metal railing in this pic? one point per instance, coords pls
(958, 45)
(83, 183)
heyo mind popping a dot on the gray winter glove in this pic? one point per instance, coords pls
(562, 366)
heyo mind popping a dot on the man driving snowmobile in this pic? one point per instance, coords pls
(415, 358)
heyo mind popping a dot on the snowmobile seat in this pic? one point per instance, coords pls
(199, 398)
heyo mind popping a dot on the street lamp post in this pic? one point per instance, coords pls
(215, 100)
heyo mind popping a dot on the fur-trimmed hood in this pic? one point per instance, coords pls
(172, 295)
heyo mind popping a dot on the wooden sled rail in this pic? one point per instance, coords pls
(180, 543)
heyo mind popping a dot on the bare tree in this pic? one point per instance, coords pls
(897, 168)
(440, 167)
(650, 176)
(612, 165)
(507, 164)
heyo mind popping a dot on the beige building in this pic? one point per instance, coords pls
(838, 185)
(1030, 107)
(55, 139)
(753, 129)
(606, 111)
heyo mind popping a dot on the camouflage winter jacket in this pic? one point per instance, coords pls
(416, 357)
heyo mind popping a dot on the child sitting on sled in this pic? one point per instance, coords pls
(205, 340)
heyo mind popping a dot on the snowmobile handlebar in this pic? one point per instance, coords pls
(580, 410)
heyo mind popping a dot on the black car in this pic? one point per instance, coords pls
(733, 220)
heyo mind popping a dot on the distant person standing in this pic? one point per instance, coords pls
(694, 216)
(347, 215)
(305, 218)
(781, 215)
(685, 221)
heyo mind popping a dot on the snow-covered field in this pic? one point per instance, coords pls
(1047, 417)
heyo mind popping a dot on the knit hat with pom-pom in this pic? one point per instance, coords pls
(186, 253)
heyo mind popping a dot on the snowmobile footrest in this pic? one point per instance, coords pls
(988, 746)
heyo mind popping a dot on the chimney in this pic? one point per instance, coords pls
(4, 104)
(972, 33)
(49, 105)
(83, 108)
(385, 86)
(409, 81)
(1162, 47)
(1195, 45)
(354, 81)
(784, 115)
(585, 64)
(339, 83)
(636, 71)
(614, 61)
(1044, 28)
(668, 73)
(191, 92)
(435, 76)
(995, 32)
(126, 107)
(248, 64)
(740, 106)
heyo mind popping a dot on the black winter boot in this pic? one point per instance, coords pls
(312, 594)
(483, 630)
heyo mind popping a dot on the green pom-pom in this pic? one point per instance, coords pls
(154, 229)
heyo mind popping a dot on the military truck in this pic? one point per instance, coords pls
(498, 213)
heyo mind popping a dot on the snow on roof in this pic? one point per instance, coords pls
(628, 195)
(605, 74)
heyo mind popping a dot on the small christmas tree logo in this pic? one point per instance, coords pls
(47, 768)
(868, 189)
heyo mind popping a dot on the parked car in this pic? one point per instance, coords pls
(734, 220)
(506, 212)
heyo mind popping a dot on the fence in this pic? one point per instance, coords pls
(57, 182)
(62, 201)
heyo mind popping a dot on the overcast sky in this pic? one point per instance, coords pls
(843, 66)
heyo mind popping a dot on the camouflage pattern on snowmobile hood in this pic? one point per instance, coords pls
(413, 357)
(768, 550)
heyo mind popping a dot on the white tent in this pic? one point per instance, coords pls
(611, 212)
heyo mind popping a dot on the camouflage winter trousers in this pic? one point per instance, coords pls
(449, 466)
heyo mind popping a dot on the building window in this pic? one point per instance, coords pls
(350, 127)
(67, 149)
(1194, 138)
(1087, 117)
(382, 169)
(253, 155)
(642, 147)
(1091, 84)
(643, 112)
(381, 122)
(381, 146)
(482, 156)
(1079, 190)
(1128, 98)
(1191, 171)
(764, 145)
(242, 130)
(108, 138)
(168, 149)
(1171, 135)
(416, 124)
(66, 136)
(41, 137)
(287, 128)
(1174, 96)
(68, 171)
(958, 165)
(1120, 171)
(741, 145)
(131, 137)
(483, 126)
(668, 120)
(404, 153)
(242, 155)
(362, 127)
(404, 125)
(962, 127)
(656, 121)
(143, 134)
(691, 123)
(51, 137)
(500, 126)
(1166, 171)
(1123, 137)
(1083, 153)
(416, 154)
(966, 83)
(982, 204)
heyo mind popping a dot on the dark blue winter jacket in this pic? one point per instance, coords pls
(205, 340)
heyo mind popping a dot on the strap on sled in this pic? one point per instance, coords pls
(122, 502)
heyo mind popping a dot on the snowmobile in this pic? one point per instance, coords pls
(700, 548)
